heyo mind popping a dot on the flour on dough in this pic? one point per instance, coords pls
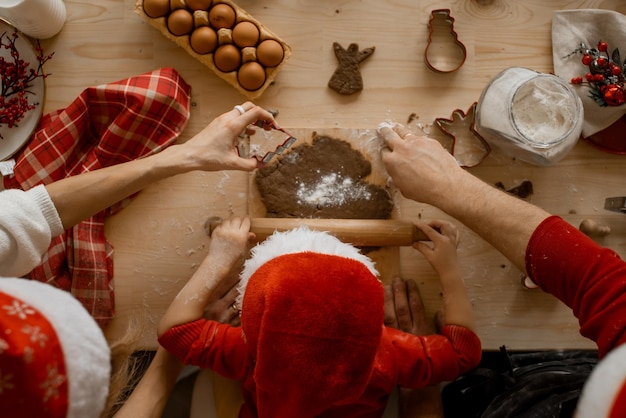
(324, 179)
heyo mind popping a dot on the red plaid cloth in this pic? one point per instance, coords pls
(106, 125)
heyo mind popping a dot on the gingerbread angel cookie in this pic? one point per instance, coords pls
(347, 77)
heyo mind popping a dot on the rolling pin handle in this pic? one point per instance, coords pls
(419, 235)
(359, 232)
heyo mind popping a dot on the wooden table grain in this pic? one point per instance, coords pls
(159, 239)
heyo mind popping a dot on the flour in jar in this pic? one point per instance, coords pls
(542, 111)
(533, 117)
(331, 190)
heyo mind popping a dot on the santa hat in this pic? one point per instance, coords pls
(604, 393)
(54, 359)
(312, 313)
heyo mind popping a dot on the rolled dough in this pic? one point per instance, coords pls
(324, 179)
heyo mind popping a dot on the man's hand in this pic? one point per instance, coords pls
(420, 167)
(404, 310)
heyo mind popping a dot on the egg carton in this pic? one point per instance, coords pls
(160, 23)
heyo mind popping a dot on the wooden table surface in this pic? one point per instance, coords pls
(159, 239)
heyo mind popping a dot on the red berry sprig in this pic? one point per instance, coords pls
(605, 76)
(17, 79)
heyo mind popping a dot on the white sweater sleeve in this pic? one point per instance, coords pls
(28, 221)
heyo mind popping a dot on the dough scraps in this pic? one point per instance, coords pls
(323, 179)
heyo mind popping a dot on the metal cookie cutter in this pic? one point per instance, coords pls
(444, 52)
(468, 146)
(280, 148)
(615, 204)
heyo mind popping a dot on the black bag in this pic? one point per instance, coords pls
(520, 385)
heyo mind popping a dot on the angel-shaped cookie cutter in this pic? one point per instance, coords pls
(270, 154)
(462, 127)
(444, 52)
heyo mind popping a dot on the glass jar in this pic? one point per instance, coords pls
(531, 116)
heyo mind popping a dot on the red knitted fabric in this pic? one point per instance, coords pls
(313, 344)
(402, 359)
(588, 278)
(32, 364)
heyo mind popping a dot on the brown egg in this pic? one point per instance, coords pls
(251, 76)
(227, 58)
(245, 34)
(270, 53)
(222, 16)
(199, 4)
(203, 40)
(156, 8)
(180, 22)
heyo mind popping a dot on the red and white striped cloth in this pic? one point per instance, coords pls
(106, 125)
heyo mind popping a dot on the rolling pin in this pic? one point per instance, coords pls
(358, 232)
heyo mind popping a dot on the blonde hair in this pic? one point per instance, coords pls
(124, 366)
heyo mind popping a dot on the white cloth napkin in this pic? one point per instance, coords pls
(589, 26)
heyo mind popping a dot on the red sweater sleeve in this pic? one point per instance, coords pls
(431, 359)
(588, 278)
(209, 344)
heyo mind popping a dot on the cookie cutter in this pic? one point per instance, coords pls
(290, 139)
(462, 127)
(441, 55)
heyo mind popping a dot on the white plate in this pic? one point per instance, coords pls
(14, 138)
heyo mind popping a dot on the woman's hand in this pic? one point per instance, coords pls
(222, 309)
(214, 148)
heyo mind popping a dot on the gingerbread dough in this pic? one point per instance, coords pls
(323, 179)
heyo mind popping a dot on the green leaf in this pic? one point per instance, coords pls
(616, 57)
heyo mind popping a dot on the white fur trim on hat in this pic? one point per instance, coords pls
(298, 240)
(606, 382)
(86, 352)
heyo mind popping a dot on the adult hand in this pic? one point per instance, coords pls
(222, 309)
(214, 148)
(404, 310)
(420, 167)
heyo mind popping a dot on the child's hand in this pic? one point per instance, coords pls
(445, 238)
(215, 275)
(229, 242)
